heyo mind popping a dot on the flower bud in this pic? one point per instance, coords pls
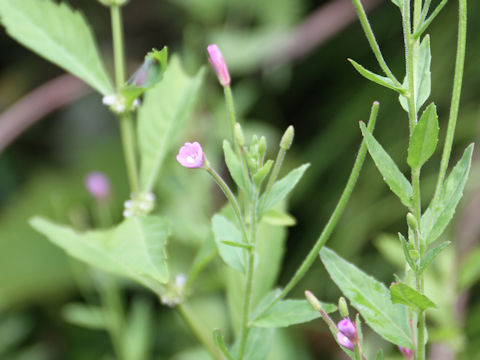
(412, 222)
(407, 353)
(262, 147)
(313, 301)
(191, 156)
(347, 328)
(287, 138)
(218, 63)
(343, 307)
(239, 134)
(98, 185)
(344, 341)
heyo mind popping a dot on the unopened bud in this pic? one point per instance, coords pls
(239, 134)
(412, 222)
(98, 185)
(407, 353)
(343, 307)
(347, 328)
(344, 341)
(313, 301)
(262, 146)
(218, 63)
(287, 138)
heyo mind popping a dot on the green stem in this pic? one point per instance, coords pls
(410, 66)
(126, 122)
(247, 300)
(425, 9)
(432, 17)
(194, 323)
(334, 218)
(373, 42)
(357, 352)
(227, 90)
(455, 103)
(273, 175)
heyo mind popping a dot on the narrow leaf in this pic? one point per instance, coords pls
(370, 297)
(430, 255)
(397, 182)
(289, 312)
(262, 173)
(234, 166)
(435, 220)
(224, 230)
(424, 138)
(218, 337)
(406, 253)
(282, 187)
(163, 114)
(381, 80)
(85, 316)
(278, 218)
(404, 294)
(60, 35)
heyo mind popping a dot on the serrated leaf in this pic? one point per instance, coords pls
(424, 138)
(163, 114)
(430, 255)
(423, 76)
(378, 79)
(282, 188)
(135, 248)
(370, 297)
(278, 218)
(434, 221)
(234, 166)
(87, 316)
(289, 312)
(394, 178)
(224, 230)
(59, 34)
(404, 294)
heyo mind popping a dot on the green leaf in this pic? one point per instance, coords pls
(262, 173)
(370, 297)
(146, 77)
(59, 34)
(217, 336)
(381, 80)
(380, 352)
(87, 316)
(430, 255)
(397, 182)
(469, 270)
(234, 166)
(224, 230)
(135, 248)
(257, 346)
(423, 76)
(163, 114)
(278, 218)
(290, 312)
(138, 332)
(406, 252)
(424, 138)
(404, 294)
(435, 220)
(282, 188)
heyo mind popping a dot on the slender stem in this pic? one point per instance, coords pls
(126, 125)
(425, 9)
(227, 90)
(427, 22)
(357, 352)
(334, 218)
(229, 195)
(373, 42)
(247, 301)
(455, 103)
(417, 14)
(191, 319)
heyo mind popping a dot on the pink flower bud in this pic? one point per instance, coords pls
(98, 185)
(407, 353)
(344, 341)
(190, 155)
(218, 63)
(348, 328)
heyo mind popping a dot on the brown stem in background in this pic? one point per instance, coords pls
(40, 102)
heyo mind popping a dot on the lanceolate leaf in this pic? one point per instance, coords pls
(234, 166)
(430, 255)
(164, 112)
(397, 182)
(370, 297)
(135, 248)
(224, 230)
(404, 294)
(59, 34)
(438, 216)
(424, 138)
(381, 80)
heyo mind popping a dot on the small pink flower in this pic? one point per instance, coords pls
(348, 328)
(344, 341)
(190, 155)
(408, 353)
(218, 63)
(98, 185)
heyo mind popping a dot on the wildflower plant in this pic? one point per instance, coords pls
(152, 107)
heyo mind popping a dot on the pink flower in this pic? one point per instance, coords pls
(190, 155)
(344, 341)
(218, 63)
(406, 352)
(348, 328)
(98, 185)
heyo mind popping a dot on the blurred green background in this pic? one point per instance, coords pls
(283, 73)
